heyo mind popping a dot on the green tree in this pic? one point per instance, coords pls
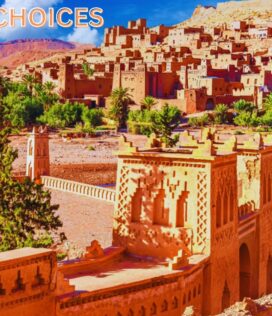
(92, 117)
(243, 106)
(148, 103)
(221, 111)
(268, 102)
(62, 115)
(27, 217)
(45, 94)
(165, 122)
(88, 71)
(119, 109)
(266, 119)
(29, 81)
(21, 109)
(247, 119)
(4, 85)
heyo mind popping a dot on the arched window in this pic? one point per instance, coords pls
(269, 189)
(161, 214)
(153, 309)
(142, 311)
(218, 211)
(164, 306)
(225, 207)
(225, 297)
(184, 299)
(175, 303)
(181, 207)
(136, 205)
(264, 190)
(231, 204)
(194, 293)
(130, 312)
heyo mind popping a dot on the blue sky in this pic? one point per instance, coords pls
(116, 12)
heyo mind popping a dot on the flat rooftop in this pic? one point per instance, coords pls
(124, 272)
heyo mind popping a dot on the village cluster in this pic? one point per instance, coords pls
(194, 68)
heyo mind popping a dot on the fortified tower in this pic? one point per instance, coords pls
(38, 164)
(66, 80)
(182, 203)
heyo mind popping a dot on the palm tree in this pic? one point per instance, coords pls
(88, 71)
(47, 95)
(147, 103)
(221, 111)
(4, 85)
(29, 81)
(49, 87)
(120, 99)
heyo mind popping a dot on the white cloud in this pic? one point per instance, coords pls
(84, 36)
(9, 33)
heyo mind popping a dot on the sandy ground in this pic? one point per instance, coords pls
(84, 219)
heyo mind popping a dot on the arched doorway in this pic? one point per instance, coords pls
(210, 104)
(244, 272)
(269, 276)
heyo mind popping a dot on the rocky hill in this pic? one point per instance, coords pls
(18, 52)
(256, 11)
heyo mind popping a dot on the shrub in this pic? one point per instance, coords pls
(140, 122)
(266, 119)
(22, 110)
(93, 117)
(62, 115)
(243, 106)
(221, 114)
(247, 119)
(268, 102)
(199, 121)
(165, 122)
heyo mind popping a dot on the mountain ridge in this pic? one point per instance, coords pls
(16, 52)
(255, 11)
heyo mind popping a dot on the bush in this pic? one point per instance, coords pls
(199, 121)
(92, 117)
(63, 115)
(84, 128)
(221, 114)
(22, 110)
(243, 106)
(266, 119)
(247, 119)
(268, 102)
(140, 122)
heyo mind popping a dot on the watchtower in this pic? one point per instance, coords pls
(37, 164)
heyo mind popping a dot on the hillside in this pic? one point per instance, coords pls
(17, 52)
(256, 11)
